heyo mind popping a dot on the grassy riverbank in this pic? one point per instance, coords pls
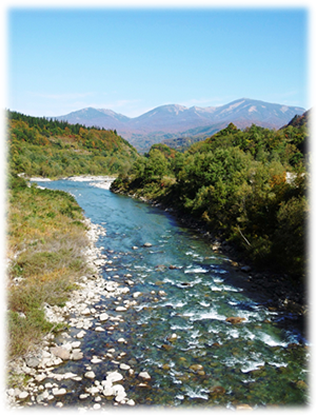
(45, 244)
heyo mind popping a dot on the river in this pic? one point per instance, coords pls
(177, 330)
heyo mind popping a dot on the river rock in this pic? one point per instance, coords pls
(48, 362)
(76, 355)
(119, 392)
(89, 375)
(104, 317)
(95, 360)
(173, 337)
(99, 262)
(55, 362)
(114, 377)
(46, 354)
(108, 390)
(60, 352)
(96, 406)
(69, 375)
(32, 361)
(124, 290)
(235, 320)
(244, 406)
(144, 385)
(217, 390)
(144, 375)
(124, 366)
(99, 329)
(40, 377)
(42, 396)
(81, 334)
(147, 245)
(196, 368)
(111, 286)
(120, 308)
(59, 392)
(93, 390)
(137, 294)
(23, 395)
(67, 346)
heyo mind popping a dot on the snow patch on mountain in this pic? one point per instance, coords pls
(175, 119)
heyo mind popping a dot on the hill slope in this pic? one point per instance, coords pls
(299, 121)
(50, 148)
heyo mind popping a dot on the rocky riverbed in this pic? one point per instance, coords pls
(165, 318)
(282, 293)
(43, 384)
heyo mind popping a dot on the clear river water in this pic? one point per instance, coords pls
(177, 331)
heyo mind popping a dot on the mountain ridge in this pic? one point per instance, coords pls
(173, 119)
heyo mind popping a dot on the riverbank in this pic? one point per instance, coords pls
(34, 373)
(45, 239)
(281, 294)
(31, 380)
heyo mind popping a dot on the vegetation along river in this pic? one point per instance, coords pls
(177, 330)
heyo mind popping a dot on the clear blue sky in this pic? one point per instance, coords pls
(132, 60)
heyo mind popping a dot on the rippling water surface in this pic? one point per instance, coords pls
(178, 331)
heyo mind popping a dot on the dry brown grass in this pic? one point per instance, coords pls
(46, 242)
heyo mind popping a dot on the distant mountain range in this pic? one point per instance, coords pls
(175, 121)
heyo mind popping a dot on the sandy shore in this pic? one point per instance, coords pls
(102, 182)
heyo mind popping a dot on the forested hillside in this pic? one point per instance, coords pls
(248, 186)
(50, 148)
(300, 120)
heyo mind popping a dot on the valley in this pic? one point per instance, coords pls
(199, 294)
